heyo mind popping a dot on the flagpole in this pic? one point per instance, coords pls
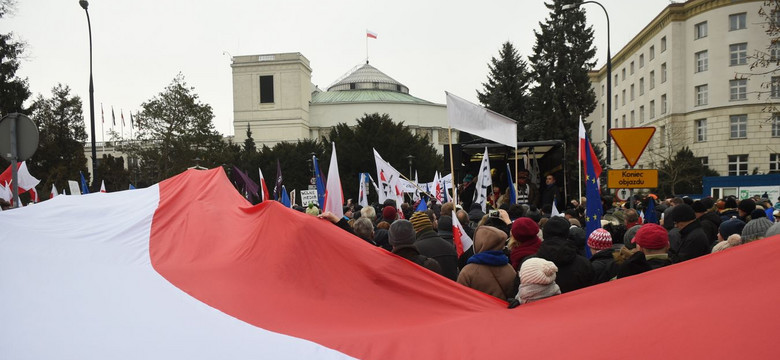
(579, 164)
(452, 169)
(102, 132)
(122, 115)
(514, 184)
(366, 46)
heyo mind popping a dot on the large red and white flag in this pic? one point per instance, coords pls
(589, 150)
(264, 194)
(462, 240)
(189, 269)
(334, 198)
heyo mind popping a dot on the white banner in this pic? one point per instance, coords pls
(477, 120)
(484, 182)
(308, 197)
(389, 180)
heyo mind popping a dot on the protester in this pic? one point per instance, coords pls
(524, 241)
(364, 229)
(652, 243)
(537, 280)
(489, 270)
(600, 244)
(755, 229)
(732, 241)
(369, 213)
(574, 271)
(729, 209)
(527, 192)
(431, 245)
(729, 227)
(693, 241)
(744, 209)
(389, 214)
(710, 221)
(550, 193)
(444, 229)
(401, 238)
(631, 218)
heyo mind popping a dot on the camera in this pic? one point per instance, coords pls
(493, 214)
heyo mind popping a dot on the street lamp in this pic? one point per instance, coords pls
(84, 4)
(609, 77)
(411, 158)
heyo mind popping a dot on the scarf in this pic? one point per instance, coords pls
(490, 257)
(533, 292)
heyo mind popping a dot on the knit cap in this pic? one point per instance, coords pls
(421, 222)
(600, 239)
(755, 229)
(389, 213)
(698, 207)
(401, 233)
(730, 226)
(652, 236)
(682, 213)
(556, 226)
(524, 229)
(538, 271)
(747, 205)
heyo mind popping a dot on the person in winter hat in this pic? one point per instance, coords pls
(389, 213)
(489, 270)
(732, 241)
(755, 229)
(574, 270)
(729, 227)
(524, 240)
(401, 238)
(693, 240)
(537, 280)
(429, 243)
(600, 244)
(652, 240)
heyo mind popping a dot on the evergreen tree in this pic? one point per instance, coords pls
(112, 171)
(682, 174)
(295, 160)
(13, 90)
(175, 128)
(506, 89)
(60, 155)
(562, 56)
(392, 140)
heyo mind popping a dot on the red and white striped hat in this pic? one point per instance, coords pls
(600, 239)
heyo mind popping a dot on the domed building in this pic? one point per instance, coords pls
(274, 96)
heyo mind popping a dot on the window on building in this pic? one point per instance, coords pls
(641, 86)
(704, 160)
(642, 114)
(663, 104)
(624, 122)
(776, 125)
(652, 52)
(737, 21)
(774, 51)
(663, 73)
(738, 125)
(701, 61)
(738, 165)
(602, 110)
(641, 60)
(701, 95)
(616, 81)
(632, 92)
(652, 80)
(775, 87)
(603, 132)
(701, 130)
(662, 136)
(624, 97)
(700, 30)
(616, 101)
(632, 68)
(663, 44)
(266, 89)
(774, 163)
(623, 76)
(738, 89)
(652, 109)
(738, 54)
(632, 118)
(602, 89)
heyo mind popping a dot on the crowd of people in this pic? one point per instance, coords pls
(522, 254)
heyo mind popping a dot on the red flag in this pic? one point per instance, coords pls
(462, 240)
(263, 189)
(370, 34)
(589, 150)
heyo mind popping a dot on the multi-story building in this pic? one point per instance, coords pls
(274, 97)
(687, 74)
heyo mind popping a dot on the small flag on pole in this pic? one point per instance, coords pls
(84, 187)
(113, 118)
(370, 34)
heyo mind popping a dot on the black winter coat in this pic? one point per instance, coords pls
(431, 245)
(604, 266)
(693, 243)
(710, 221)
(574, 271)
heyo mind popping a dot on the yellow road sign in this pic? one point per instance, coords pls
(632, 141)
(632, 179)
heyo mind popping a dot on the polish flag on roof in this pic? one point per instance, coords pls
(188, 269)
(371, 34)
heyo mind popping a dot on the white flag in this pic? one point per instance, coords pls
(74, 187)
(53, 192)
(363, 190)
(5, 192)
(477, 120)
(462, 240)
(484, 182)
(416, 188)
(334, 198)
(437, 186)
(554, 211)
(388, 177)
(102, 186)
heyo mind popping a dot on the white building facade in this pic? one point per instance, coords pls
(273, 96)
(688, 74)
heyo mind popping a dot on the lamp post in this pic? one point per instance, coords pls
(84, 4)
(609, 77)
(411, 158)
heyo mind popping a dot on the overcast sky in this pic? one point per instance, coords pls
(139, 46)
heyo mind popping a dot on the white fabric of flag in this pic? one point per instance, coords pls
(74, 187)
(437, 186)
(484, 182)
(389, 186)
(416, 195)
(477, 120)
(363, 190)
(54, 191)
(334, 198)
(554, 211)
(5, 192)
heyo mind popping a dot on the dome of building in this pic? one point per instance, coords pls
(367, 77)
